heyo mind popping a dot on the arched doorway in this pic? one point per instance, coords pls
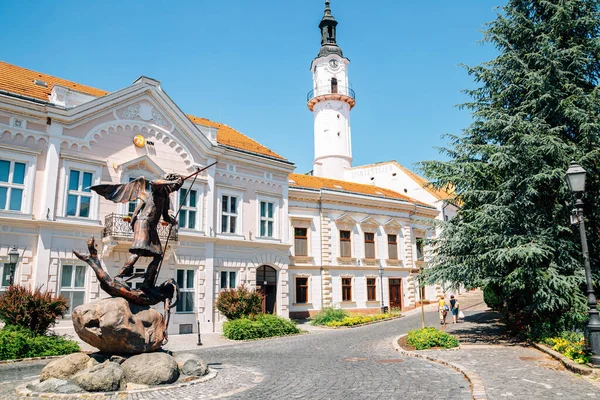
(266, 283)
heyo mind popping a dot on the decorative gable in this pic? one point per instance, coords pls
(143, 163)
(392, 226)
(369, 223)
(345, 222)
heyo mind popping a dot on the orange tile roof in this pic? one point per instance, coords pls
(228, 136)
(317, 182)
(19, 80)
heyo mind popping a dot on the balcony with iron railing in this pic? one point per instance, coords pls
(118, 227)
(330, 92)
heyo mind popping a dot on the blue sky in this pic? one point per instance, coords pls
(246, 62)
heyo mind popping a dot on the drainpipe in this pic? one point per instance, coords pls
(321, 242)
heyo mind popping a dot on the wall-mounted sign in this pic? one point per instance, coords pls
(139, 141)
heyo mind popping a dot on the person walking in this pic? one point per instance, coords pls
(454, 307)
(443, 310)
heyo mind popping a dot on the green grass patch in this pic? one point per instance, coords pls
(572, 345)
(427, 338)
(17, 342)
(259, 326)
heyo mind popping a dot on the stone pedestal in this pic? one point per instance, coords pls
(116, 326)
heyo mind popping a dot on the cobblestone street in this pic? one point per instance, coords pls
(355, 363)
(506, 368)
(361, 363)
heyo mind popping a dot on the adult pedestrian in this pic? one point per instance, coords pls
(443, 310)
(454, 307)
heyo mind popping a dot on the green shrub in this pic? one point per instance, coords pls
(572, 345)
(427, 338)
(328, 315)
(492, 295)
(31, 309)
(239, 303)
(19, 342)
(259, 326)
(359, 320)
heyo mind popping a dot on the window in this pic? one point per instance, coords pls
(79, 196)
(12, 185)
(371, 289)
(133, 204)
(393, 247)
(346, 289)
(228, 280)
(345, 244)
(300, 242)
(72, 285)
(5, 278)
(420, 249)
(229, 214)
(185, 281)
(188, 213)
(369, 245)
(266, 218)
(301, 290)
(137, 282)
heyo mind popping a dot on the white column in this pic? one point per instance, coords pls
(45, 273)
(51, 172)
(207, 321)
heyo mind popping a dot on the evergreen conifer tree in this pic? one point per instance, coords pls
(536, 107)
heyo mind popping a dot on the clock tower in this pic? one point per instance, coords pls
(331, 101)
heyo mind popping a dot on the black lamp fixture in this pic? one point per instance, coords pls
(13, 259)
(575, 178)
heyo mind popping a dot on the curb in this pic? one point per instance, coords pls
(568, 363)
(17, 360)
(475, 382)
(22, 390)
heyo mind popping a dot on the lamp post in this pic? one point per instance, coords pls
(13, 259)
(381, 285)
(575, 178)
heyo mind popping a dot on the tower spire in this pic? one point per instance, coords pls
(328, 26)
(327, 9)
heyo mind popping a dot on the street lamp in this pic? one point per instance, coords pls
(575, 178)
(381, 285)
(13, 259)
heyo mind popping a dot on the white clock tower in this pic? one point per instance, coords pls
(331, 101)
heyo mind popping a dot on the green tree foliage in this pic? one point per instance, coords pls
(35, 310)
(536, 107)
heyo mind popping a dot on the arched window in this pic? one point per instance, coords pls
(334, 85)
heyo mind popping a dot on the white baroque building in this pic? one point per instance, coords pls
(57, 138)
(343, 236)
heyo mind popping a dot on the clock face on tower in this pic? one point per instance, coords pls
(334, 63)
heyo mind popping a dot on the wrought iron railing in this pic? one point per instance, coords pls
(330, 89)
(119, 226)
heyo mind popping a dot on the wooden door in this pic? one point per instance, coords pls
(396, 296)
(266, 283)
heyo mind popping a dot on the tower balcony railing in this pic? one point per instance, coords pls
(118, 227)
(330, 89)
